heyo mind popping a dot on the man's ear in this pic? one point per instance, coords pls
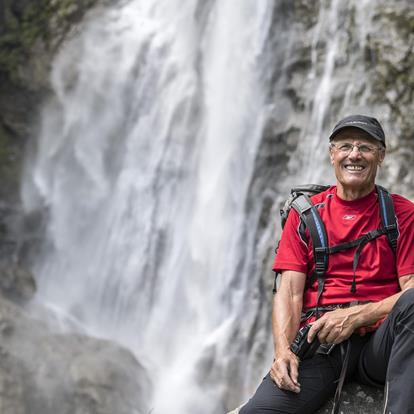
(381, 156)
(331, 155)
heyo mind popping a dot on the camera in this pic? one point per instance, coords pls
(300, 345)
(303, 349)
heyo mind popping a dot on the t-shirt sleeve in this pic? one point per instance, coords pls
(292, 253)
(405, 251)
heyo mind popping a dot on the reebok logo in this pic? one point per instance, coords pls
(349, 217)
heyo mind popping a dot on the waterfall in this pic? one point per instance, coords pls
(336, 76)
(151, 168)
(143, 164)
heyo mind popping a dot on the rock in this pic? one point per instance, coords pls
(16, 283)
(236, 411)
(42, 372)
(356, 399)
(31, 32)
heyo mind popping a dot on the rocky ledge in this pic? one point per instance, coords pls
(46, 372)
(356, 399)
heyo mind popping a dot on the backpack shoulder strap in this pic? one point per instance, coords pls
(310, 215)
(300, 201)
(310, 188)
(388, 218)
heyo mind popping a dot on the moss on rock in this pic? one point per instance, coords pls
(44, 21)
(10, 162)
(31, 32)
(393, 76)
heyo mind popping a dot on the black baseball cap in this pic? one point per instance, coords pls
(367, 123)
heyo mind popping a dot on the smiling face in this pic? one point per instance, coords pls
(355, 168)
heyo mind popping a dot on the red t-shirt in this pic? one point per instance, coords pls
(378, 268)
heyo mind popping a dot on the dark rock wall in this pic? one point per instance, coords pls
(31, 32)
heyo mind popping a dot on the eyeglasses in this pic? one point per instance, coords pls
(346, 148)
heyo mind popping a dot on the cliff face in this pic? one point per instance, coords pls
(31, 32)
(334, 59)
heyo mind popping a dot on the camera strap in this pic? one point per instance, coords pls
(309, 312)
(345, 351)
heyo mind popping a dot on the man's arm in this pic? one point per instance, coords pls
(338, 325)
(287, 308)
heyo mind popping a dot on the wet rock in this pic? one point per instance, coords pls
(356, 399)
(31, 32)
(42, 372)
(16, 282)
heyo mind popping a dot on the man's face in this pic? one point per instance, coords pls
(356, 167)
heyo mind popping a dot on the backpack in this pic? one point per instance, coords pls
(299, 200)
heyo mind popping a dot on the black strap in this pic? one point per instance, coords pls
(309, 312)
(309, 214)
(312, 219)
(345, 355)
(359, 243)
(310, 189)
(388, 217)
(363, 241)
(275, 283)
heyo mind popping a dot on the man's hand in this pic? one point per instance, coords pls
(284, 371)
(336, 326)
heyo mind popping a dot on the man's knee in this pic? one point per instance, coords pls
(403, 310)
(268, 399)
(247, 409)
(252, 408)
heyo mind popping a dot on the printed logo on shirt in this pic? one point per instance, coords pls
(349, 217)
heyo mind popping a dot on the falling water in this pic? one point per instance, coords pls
(143, 164)
(333, 66)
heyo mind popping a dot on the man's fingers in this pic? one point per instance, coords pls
(334, 335)
(285, 375)
(313, 331)
(294, 372)
(286, 383)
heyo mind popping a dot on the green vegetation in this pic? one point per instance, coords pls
(44, 21)
(391, 60)
(10, 163)
(30, 32)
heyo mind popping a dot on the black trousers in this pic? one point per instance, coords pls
(385, 357)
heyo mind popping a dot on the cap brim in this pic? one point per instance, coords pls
(335, 132)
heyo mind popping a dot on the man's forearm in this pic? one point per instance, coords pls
(338, 325)
(285, 319)
(372, 312)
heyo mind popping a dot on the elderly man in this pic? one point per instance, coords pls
(362, 303)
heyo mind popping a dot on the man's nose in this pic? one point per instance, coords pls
(355, 152)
